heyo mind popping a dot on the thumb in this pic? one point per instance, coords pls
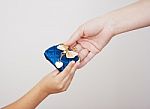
(75, 36)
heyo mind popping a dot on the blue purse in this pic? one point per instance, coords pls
(60, 55)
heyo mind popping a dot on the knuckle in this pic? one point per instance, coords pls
(81, 29)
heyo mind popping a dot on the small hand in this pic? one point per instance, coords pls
(56, 81)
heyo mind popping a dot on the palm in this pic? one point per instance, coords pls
(90, 38)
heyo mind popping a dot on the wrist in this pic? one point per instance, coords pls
(111, 24)
(41, 88)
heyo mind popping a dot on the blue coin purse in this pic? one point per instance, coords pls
(60, 55)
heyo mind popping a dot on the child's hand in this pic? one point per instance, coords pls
(56, 81)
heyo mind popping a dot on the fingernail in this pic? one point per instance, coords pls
(72, 62)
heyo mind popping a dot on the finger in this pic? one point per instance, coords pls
(86, 60)
(75, 36)
(88, 44)
(55, 72)
(71, 73)
(78, 47)
(66, 82)
(66, 71)
(73, 45)
(83, 53)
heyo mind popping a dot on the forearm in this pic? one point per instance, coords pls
(54, 82)
(29, 101)
(131, 17)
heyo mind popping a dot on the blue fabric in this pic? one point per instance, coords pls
(53, 54)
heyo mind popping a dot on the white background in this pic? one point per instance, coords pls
(117, 78)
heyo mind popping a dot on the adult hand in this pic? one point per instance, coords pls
(91, 37)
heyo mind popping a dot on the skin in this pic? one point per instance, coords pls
(89, 39)
(55, 82)
(92, 36)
